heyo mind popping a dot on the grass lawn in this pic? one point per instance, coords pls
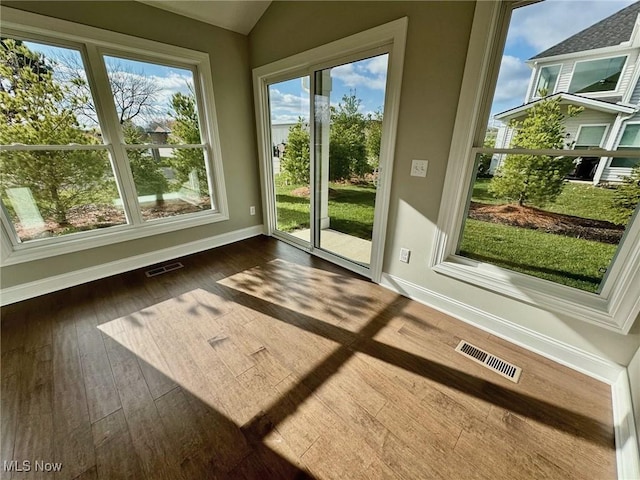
(577, 199)
(350, 209)
(569, 261)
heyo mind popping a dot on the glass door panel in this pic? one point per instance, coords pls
(348, 105)
(289, 107)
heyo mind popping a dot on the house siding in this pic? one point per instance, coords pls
(614, 174)
(503, 140)
(635, 95)
(587, 117)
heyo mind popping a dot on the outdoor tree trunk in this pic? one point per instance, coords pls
(60, 212)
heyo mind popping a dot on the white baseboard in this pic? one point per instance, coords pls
(627, 451)
(627, 460)
(58, 282)
(584, 362)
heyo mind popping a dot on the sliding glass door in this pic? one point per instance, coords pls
(290, 165)
(325, 133)
(348, 106)
(326, 127)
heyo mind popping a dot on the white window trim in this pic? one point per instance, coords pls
(623, 129)
(604, 134)
(618, 304)
(100, 41)
(603, 93)
(534, 94)
(393, 35)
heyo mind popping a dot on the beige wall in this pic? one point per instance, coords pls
(435, 54)
(229, 54)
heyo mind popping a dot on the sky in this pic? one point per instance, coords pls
(533, 29)
(289, 100)
(367, 79)
(167, 79)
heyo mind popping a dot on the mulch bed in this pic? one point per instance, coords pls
(305, 192)
(90, 217)
(549, 222)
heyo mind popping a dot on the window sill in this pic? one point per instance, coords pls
(589, 307)
(40, 249)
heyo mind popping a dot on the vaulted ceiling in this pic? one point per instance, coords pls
(235, 15)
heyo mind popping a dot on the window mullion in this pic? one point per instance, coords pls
(208, 139)
(112, 133)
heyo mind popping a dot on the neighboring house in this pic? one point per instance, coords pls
(280, 138)
(280, 133)
(598, 69)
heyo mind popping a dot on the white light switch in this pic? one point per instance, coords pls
(419, 168)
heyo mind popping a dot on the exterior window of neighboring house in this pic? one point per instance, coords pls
(599, 75)
(101, 140)
(630, 140)
(527, 232)
(590, 136)
(547, 80)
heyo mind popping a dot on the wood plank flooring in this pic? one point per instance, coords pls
(257, 361)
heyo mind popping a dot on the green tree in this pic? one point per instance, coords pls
(148, 176)
(295, 161)
(373, 138)
(347, 141)
(186, 162)
(536, 179)
(34, 111)
(348, 150)
(627, 197)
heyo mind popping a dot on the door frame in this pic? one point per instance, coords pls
(391, 35)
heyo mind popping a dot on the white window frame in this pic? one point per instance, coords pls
(604, 134)
(534, 94)
(623, 129)
(599, 92)
(618, 303)
(93, 43)
(618, 145)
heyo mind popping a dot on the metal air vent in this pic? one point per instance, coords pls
(501, 367)
(163, 269)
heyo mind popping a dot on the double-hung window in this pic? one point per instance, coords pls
(529, 232)
(103, 138)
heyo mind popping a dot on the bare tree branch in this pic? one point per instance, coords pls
(134, 94)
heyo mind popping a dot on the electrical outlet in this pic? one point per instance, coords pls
(419, 168)
(405, 253)
(252, 210)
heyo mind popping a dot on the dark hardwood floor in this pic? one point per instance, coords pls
(257, 361)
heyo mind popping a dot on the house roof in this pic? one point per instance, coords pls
(568, 98)
(608, 32)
